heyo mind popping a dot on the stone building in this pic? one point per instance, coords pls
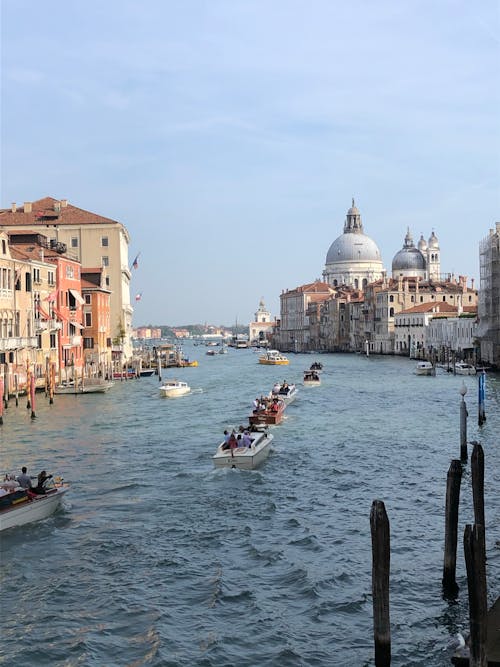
(262, 328)
(489, 303)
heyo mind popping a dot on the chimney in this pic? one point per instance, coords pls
(460, 309)
(57, 206)
(27, 207)
(13, 208)
(64, 203)
(472, 283)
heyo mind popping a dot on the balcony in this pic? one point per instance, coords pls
(7, 344)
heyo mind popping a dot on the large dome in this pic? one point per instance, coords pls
(351, 247)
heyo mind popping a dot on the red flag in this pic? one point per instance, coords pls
(138, 297)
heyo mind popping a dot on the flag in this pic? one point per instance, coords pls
(138, 297)
(51, 297)
(135, 263)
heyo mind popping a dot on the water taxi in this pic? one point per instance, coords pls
(273, 358)
(244, 458)
(273, 413)
(174, 388)
(21, 506)
(462, 368)
(425, 368)
(311, 379)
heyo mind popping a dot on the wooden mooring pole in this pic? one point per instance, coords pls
(476, 582)
(481, 414)
(381, 559)
(477, 473)
(453, 483)
(463, 424)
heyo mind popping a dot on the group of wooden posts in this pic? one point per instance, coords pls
(474, 549)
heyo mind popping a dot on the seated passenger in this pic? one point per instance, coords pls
(42, 480)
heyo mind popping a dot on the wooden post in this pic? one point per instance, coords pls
(381, 558)
(477, 473)
(463, 427)
(159, 368)
(1, 400)
(32, 394)
(28, 386)
(476, 582)
(453, 482)
(481, 415)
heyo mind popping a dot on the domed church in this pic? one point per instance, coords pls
(421, 262)
(353, 258)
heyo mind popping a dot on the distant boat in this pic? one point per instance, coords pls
(174, 388)
(311, 379)
(245, 458)
(85, 386)
(462, 368)
(273, 358)
(425, 368)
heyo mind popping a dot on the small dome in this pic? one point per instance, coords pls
(422, 243)
(433, 241)
(408, 259)
(353, 248)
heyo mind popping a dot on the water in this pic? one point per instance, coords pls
(157, 559)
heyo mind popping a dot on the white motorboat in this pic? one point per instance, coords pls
(174, 388)
(26, 507)
(287, 392)
(311, 379)
(245, 458)
(425, 368)
(86, 386)
(462, 368)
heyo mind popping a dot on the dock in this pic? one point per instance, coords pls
(492, 640)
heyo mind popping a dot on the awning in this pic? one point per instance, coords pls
(78, 296)
(77, 325)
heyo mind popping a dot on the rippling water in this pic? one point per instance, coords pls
(157, 559)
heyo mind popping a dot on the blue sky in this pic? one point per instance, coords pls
(229, 136)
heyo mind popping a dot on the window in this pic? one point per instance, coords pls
(69, 271)
(107, 281)
(87, 298)
(88, 319)
(88, 343)
(53, 341)
(104, 241)
(391, 298)
(36, 276)
(50, 278)
(4, 247)
(74, 241)
(105, 261)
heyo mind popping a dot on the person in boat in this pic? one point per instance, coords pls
(256, 405)
(276, 388)
(24, 480)
(275, 406)
(246, 440)
(233, 442)
(43, 478)
(226, 439)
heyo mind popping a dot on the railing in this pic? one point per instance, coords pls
(18, 343)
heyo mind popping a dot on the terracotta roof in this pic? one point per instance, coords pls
(43, 212)
(27, 251)
(440, 307)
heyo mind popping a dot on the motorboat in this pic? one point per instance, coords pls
(316, 366)
(462, 368)
(425, 368)
(273, 358)
(287, 392)
(211, 353)
(245, 458)
(311, 379)
(272, 413)
(174, 388)
(20, 506)
(85, 386)
(147, 372)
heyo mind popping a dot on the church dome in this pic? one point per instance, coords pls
(422, 243)
(408, 258)
(351, 247)
(433, 241)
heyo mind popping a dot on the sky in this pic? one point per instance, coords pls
(229, 136)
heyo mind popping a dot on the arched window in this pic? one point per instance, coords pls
(391, 298)
(364, 283)
(356, 283)
(4, 247)
(391, 312)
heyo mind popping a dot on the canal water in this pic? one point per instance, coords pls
(156, 559)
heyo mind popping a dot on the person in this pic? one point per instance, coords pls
(226, 440)
(275, 406)
(24, 480)
(256, 405)
(246, 440)
(42, 479)
(233, 443)
(276, 388)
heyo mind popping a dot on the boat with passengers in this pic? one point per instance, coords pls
(251, 448)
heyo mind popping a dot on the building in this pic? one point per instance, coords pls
(353, 259)
(96, 322)
(423, 262)
(488, 331)
(91, 239)
(293, 334)
(262, 328)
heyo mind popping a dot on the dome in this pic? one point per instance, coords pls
(408, 259)
(422, 243)
(433, 241)
(353, 248)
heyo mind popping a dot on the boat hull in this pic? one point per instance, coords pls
(266, 418)
(174, 390)
(244, 458)
(273, 362)
(84, 389)
(30, 511)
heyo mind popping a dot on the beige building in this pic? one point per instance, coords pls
(92, 239)
(262, 328)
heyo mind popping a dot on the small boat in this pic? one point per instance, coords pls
(287, 392)
(311, 379)
(185, 363)
(211, 353)
(316, 366)
(147, 372)
(425, 368)
(86, 386)
(21, 506)
(245, 458)
(462, 368)
(271, 415)
(273, 358)
(174, 388)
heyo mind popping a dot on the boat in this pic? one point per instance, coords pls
(273, 358)
(211, 353)
(245, 458)
(86, 386)
(425, 368)
(287, 392)
(462, 368)
(311, 378)
(186, 363)
(269, 415)
(174, 388)
(316, 366)
(147, 372)
(21, 506)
